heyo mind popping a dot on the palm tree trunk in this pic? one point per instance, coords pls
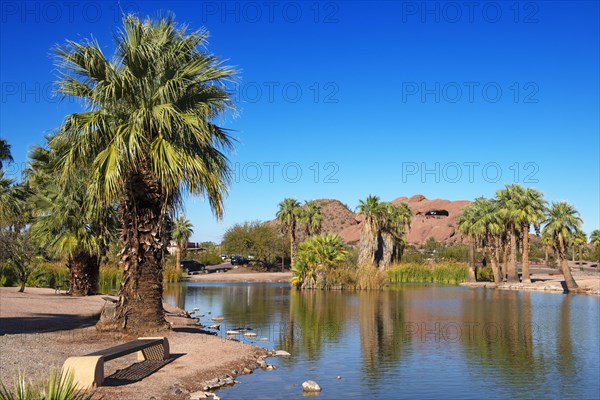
(505, 252)
(84, 272)
(494, 258)
(569, 281)
(546, 256)
(513, 274)
(367, 246)
(573, 252)
(525, 276)
(472, 274)
(140, 307)
(581, 257)
(292, 245)
(387, 250)
(178, 258)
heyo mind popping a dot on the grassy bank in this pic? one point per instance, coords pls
(444, 273)
(52, 274)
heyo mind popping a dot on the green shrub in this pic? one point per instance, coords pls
(485, 274)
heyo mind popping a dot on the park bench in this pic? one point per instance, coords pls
(88, 370)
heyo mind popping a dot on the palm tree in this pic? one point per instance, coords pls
(4, 152)
(394, 222)
(509, 211)
(561, 224)
(148, 136)
(369, 235)
(529, 208)
(488, 229)
(316, 255)
(11, 200)
(67, 223)
(311, 218)
(288, 215)
(466, 226)
(595, 239)
(182, 231)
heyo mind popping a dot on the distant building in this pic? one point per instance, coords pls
(191, 246)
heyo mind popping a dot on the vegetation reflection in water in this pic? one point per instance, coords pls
(434, 341)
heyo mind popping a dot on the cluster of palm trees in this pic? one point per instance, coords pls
(292, 214)
(383, 234)
(497, 225)
(147, 137)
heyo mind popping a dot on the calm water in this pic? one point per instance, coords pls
(408, 342)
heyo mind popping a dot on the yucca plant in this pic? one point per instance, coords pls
(58, 387)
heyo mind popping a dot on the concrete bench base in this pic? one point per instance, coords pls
(88, 371)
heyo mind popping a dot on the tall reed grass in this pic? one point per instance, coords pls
(444, 273)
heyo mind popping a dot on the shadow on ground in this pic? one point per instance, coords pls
(41, 323)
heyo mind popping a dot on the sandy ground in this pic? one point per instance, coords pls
(40, 329)
(242, 274)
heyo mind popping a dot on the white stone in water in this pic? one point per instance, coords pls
(250, 334)
(218, 318)
(263, 339)
(195, 309)
(282, 353)
(311, 386)
(233, 332)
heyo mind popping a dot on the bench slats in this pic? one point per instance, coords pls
(126, 348)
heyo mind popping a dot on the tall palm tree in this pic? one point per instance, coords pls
(529, 208)
(288, 215)
(311, 218)
(369, 234)
(394, 222)
(66, 222)
(561, 224)
(148, 136)
(182, 231)
(509, 211)
(487, 230)
(466, 226)
(4, 152)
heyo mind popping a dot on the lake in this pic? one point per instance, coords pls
(409, 341)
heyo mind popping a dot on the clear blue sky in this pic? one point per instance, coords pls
(449, 100)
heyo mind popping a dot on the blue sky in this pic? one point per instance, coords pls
(345, 99)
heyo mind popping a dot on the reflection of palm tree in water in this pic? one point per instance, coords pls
(381, 323)
(565, 348)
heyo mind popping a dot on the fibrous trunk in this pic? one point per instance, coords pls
(140, 308)
(368, 243)
(388, 250)
(525, 274)
(472, 275)
(564, 265)
(513, 274)
(84, 272)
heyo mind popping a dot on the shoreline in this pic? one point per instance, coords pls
(241, 275)
(588, 285)
(31, 344)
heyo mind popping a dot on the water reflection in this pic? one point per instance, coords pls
(496, 343)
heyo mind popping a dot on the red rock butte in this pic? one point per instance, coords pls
(431, 219)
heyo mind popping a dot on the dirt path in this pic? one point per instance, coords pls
(38, 313)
